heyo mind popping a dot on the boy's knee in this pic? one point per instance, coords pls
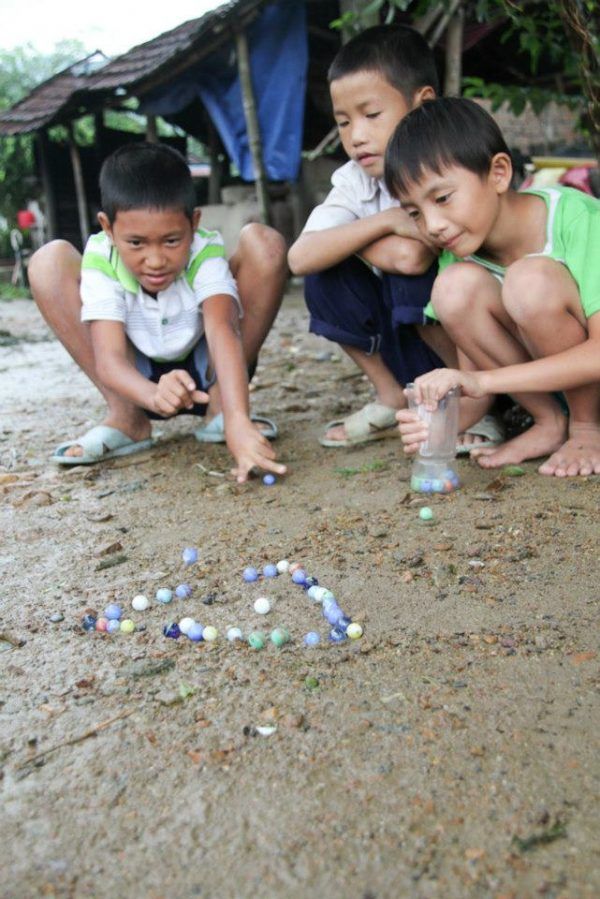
(454, 290)
(262, 247)
(530, 288)
(56, 257)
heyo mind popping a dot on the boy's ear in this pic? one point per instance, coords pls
(105, 224)
(423, 94)
(501, 172)
(196, 216)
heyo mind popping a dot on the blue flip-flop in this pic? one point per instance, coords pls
(214, 431)
(98, 444)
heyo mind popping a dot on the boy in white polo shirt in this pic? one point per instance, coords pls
(374, 311)
(155, 322)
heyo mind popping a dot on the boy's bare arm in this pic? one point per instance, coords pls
(315, 251)
(116, 370)
(247, 445)
(399, 255)
(575, 367)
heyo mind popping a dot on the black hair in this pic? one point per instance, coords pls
(442, 132)
(398, 52)
(146, 176)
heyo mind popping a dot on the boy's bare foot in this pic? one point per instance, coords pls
(580, 455)
(137, 430)
(540, 439)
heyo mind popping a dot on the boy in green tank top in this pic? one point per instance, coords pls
(519, 284)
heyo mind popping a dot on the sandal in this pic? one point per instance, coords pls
(98, 444)
(487, 427)
(373, 422)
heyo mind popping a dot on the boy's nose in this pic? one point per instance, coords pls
(155, 259)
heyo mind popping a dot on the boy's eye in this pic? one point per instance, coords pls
(412, 213)
(373, 115)
(134, 242)
(342, 123)
(443, 198)
(173, 241)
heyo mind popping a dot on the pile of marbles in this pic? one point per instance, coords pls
(447, 482)
(111, 622)
(342, 626)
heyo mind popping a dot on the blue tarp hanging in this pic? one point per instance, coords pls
(278, 61)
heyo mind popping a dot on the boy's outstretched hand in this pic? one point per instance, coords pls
(250, 449)
(177, 390)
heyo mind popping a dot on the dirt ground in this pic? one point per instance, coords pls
(451, 752)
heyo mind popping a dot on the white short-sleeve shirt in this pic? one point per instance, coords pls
(167, 327)
(354, 195)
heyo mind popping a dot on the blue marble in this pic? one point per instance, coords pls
(195, 632)
(299, 576)
(113, 612)
(88, 622)
(312, 638)
(189, 555)
(172, 631)
(183, 591)
(269, 480)
(270, 571)
(250, 574)
(336, 635)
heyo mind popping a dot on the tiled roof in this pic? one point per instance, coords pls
(76, 89)
(45, 104)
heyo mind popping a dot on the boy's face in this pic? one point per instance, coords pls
(154, 244)
(367, 109)
(458, 210)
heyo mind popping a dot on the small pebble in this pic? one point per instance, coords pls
(270, 571)
(269, 480)
(234, 633)
(189, 555)
(185, 624)
(299, 576)
(164, 595)
(262, 605)
(127, 626)
(312, 638)
(209, 599)
(183, 591)
(283, 566)
(280, 636)
(173, 631)
(56, 617)
(113, 626)
(250, 574)
(210, 633)
(88, 622)
(194, 632)
(256, 640)
(140, 603)
(113, 612)
(426, 514)
(354, 630)
(101, 625)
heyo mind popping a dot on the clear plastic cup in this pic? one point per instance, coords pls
(433, 467)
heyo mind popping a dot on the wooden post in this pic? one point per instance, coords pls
(48, 186)
(84, 222)
(454, 47)
(151, 129)
(214, 179)
(252, 128)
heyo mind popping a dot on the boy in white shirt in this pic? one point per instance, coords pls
(374, 310)
(155, 322)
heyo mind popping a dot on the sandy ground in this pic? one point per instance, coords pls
(451, 752)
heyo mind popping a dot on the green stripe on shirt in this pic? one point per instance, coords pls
(210, 252)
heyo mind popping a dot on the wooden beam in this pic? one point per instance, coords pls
(454, 49)
(84, 222)
(252, 127)
(47, 185)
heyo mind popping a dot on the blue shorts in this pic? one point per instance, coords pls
(350, 305)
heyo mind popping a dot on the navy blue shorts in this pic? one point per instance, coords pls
(350, 305)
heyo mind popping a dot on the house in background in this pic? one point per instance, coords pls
(249, 81)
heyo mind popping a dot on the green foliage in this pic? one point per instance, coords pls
(537, 29)
(21, 70)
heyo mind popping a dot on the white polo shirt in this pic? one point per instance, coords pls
(354, 195)
(164, 328)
